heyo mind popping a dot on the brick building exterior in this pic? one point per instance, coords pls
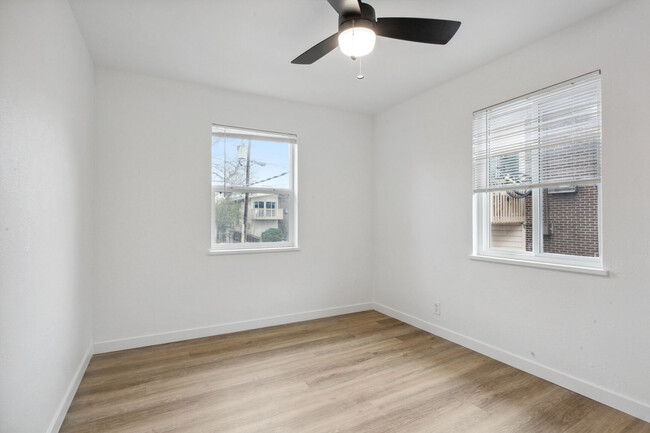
(571, 221)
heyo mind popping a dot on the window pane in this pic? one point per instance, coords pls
(570, 220)
(510, 220)
(238, 162)
(262, 225)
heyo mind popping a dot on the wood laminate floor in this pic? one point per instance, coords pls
(362, 372)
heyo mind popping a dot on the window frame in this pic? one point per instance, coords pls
(256, 247)
(482, 250)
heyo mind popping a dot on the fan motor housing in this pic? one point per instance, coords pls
(367, 18)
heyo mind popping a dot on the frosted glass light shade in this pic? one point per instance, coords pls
(357, 41)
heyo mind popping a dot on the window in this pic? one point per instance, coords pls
(537, 175)
(253, 190)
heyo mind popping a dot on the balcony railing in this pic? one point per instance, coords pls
(507, 210)
(268, 214)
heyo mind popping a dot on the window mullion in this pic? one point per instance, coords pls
(537, 222)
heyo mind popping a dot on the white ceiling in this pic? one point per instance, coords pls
(247, 45)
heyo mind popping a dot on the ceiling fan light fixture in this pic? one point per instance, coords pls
(357, 41)
(359, 27)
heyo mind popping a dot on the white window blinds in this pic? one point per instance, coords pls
(547, 138)
(251, 134)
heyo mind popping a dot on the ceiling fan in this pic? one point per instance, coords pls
(359, 26)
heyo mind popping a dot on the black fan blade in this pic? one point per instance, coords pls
(317, 51)
(346, 6)
(426, 30)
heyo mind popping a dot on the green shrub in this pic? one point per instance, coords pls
(272, 235)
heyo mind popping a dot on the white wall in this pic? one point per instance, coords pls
(152, 207)
(46, 106)
(586, 332)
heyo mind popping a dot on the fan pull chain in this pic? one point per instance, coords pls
(360, 76)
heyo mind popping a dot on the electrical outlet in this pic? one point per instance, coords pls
(436, 308)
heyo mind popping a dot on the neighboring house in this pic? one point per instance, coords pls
(570, 220)
(265, 211)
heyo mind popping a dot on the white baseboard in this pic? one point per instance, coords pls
(62, 410)
(595, 392)
(225, 328)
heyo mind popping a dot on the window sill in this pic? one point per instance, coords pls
(252, 250)
(542, 265)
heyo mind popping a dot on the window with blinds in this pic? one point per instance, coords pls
(536, 163)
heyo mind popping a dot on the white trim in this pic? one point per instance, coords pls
(253, 250)
(225, 328)
(603, 395)
(62, 410)
(600, 223)
(294, 195)
(542, 265)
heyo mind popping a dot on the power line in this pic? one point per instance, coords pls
(264, 180)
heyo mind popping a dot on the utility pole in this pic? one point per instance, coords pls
(248, 181)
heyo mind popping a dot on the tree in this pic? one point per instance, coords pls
(272, 235)
(226, 215)
(235, 170)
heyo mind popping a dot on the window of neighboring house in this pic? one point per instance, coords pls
(253, 190)
(537, 176)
